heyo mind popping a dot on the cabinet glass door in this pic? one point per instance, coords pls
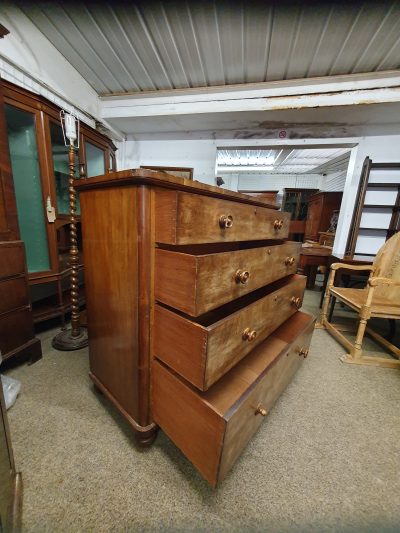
(61, 169)
(94, 160)
(28, 186)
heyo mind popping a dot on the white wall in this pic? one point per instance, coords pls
(200, 155)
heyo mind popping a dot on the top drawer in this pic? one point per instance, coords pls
(184, 218)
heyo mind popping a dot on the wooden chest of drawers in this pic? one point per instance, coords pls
(17, 338)
(192, 302)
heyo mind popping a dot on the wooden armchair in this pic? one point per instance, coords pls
(380, 298)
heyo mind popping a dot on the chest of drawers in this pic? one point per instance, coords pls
(17, 337)
(193, 309)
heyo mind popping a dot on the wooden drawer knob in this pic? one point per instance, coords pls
(261, 411)
(296, 301)
(278, 224)
(226, 221)
(242, 276)
(304, 352)
(289, 261)
(249, 334)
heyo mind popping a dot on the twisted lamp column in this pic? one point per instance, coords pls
(75, 337)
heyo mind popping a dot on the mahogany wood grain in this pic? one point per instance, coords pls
(191, 423)
(184, 218)
(16, 329)
(243, 421)
(17, 293)
(110, 235)
(142, 176)
(17, 338)
(319, 212)
(12, 259)
(145, 222)
(195, 283)
(9, 230)
(212, 428)
(204, 350)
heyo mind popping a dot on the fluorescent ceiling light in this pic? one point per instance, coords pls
(243, 168)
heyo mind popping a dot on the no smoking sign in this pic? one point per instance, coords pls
(282, 134)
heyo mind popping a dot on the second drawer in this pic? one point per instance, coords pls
(205, 350)
(199, 280)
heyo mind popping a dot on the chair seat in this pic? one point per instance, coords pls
(356, 298)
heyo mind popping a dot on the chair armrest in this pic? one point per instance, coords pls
(337, 266)
(374, 282)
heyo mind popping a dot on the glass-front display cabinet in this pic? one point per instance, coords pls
(39, 161)
(295, 201)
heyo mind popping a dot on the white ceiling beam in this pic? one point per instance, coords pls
(369, 80)
(222, 103)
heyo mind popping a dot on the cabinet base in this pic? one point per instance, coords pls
(31, 351)
(144, 435)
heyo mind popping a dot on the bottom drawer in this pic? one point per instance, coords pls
(212, 428)
(16, 328)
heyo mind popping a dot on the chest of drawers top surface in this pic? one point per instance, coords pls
(140, 176)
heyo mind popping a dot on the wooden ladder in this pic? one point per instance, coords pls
(376, 215)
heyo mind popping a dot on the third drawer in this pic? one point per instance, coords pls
(196, 279)
(204, 350)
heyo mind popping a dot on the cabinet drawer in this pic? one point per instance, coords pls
(196, 282)
(13, 294)
(12, 259)
(184, 218)
(212, 428)
(204, 350)
(16, 328)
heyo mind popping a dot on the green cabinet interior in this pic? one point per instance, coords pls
(28, 186)
(94, 160)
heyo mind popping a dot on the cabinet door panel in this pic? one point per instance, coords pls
(28, 186)
(94, 160)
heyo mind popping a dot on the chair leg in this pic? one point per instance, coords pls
(332, 307)
(324, 311)
(356, 352)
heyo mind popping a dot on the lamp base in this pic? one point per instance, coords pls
(64, 340)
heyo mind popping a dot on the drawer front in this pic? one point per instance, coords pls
(202, 354)
(16, 329)
(184, 218)
(196, 284)
(212, 428)
(12, 259)
(247, 418)
(13, 294)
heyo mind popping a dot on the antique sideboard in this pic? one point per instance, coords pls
(193, 309)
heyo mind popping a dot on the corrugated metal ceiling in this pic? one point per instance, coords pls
(283, 161)
(132, 47)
